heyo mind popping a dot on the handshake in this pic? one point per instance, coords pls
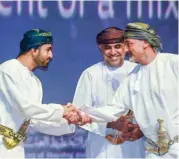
(128, 130)
(75, 116)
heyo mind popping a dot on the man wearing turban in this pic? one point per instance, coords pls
(21, 97)
(150, 91)
(96, 87)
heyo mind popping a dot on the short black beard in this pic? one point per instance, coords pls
(40, 64)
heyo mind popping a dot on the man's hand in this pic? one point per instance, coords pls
(133, 133)
(75, 116)
(121, 124)
(129, 131)
(70, 113)
(84, 118)
(68, 109)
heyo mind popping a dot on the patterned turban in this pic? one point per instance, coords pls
(142, 31)
(110, 35)
(35, 38)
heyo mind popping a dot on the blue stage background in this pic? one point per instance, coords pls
(74, 25)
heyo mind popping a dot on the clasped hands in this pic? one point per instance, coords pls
(75, 116)
(129, 130)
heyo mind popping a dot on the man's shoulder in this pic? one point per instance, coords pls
(94, 68)
(168, 57)
(10, 66)
(129, 64)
